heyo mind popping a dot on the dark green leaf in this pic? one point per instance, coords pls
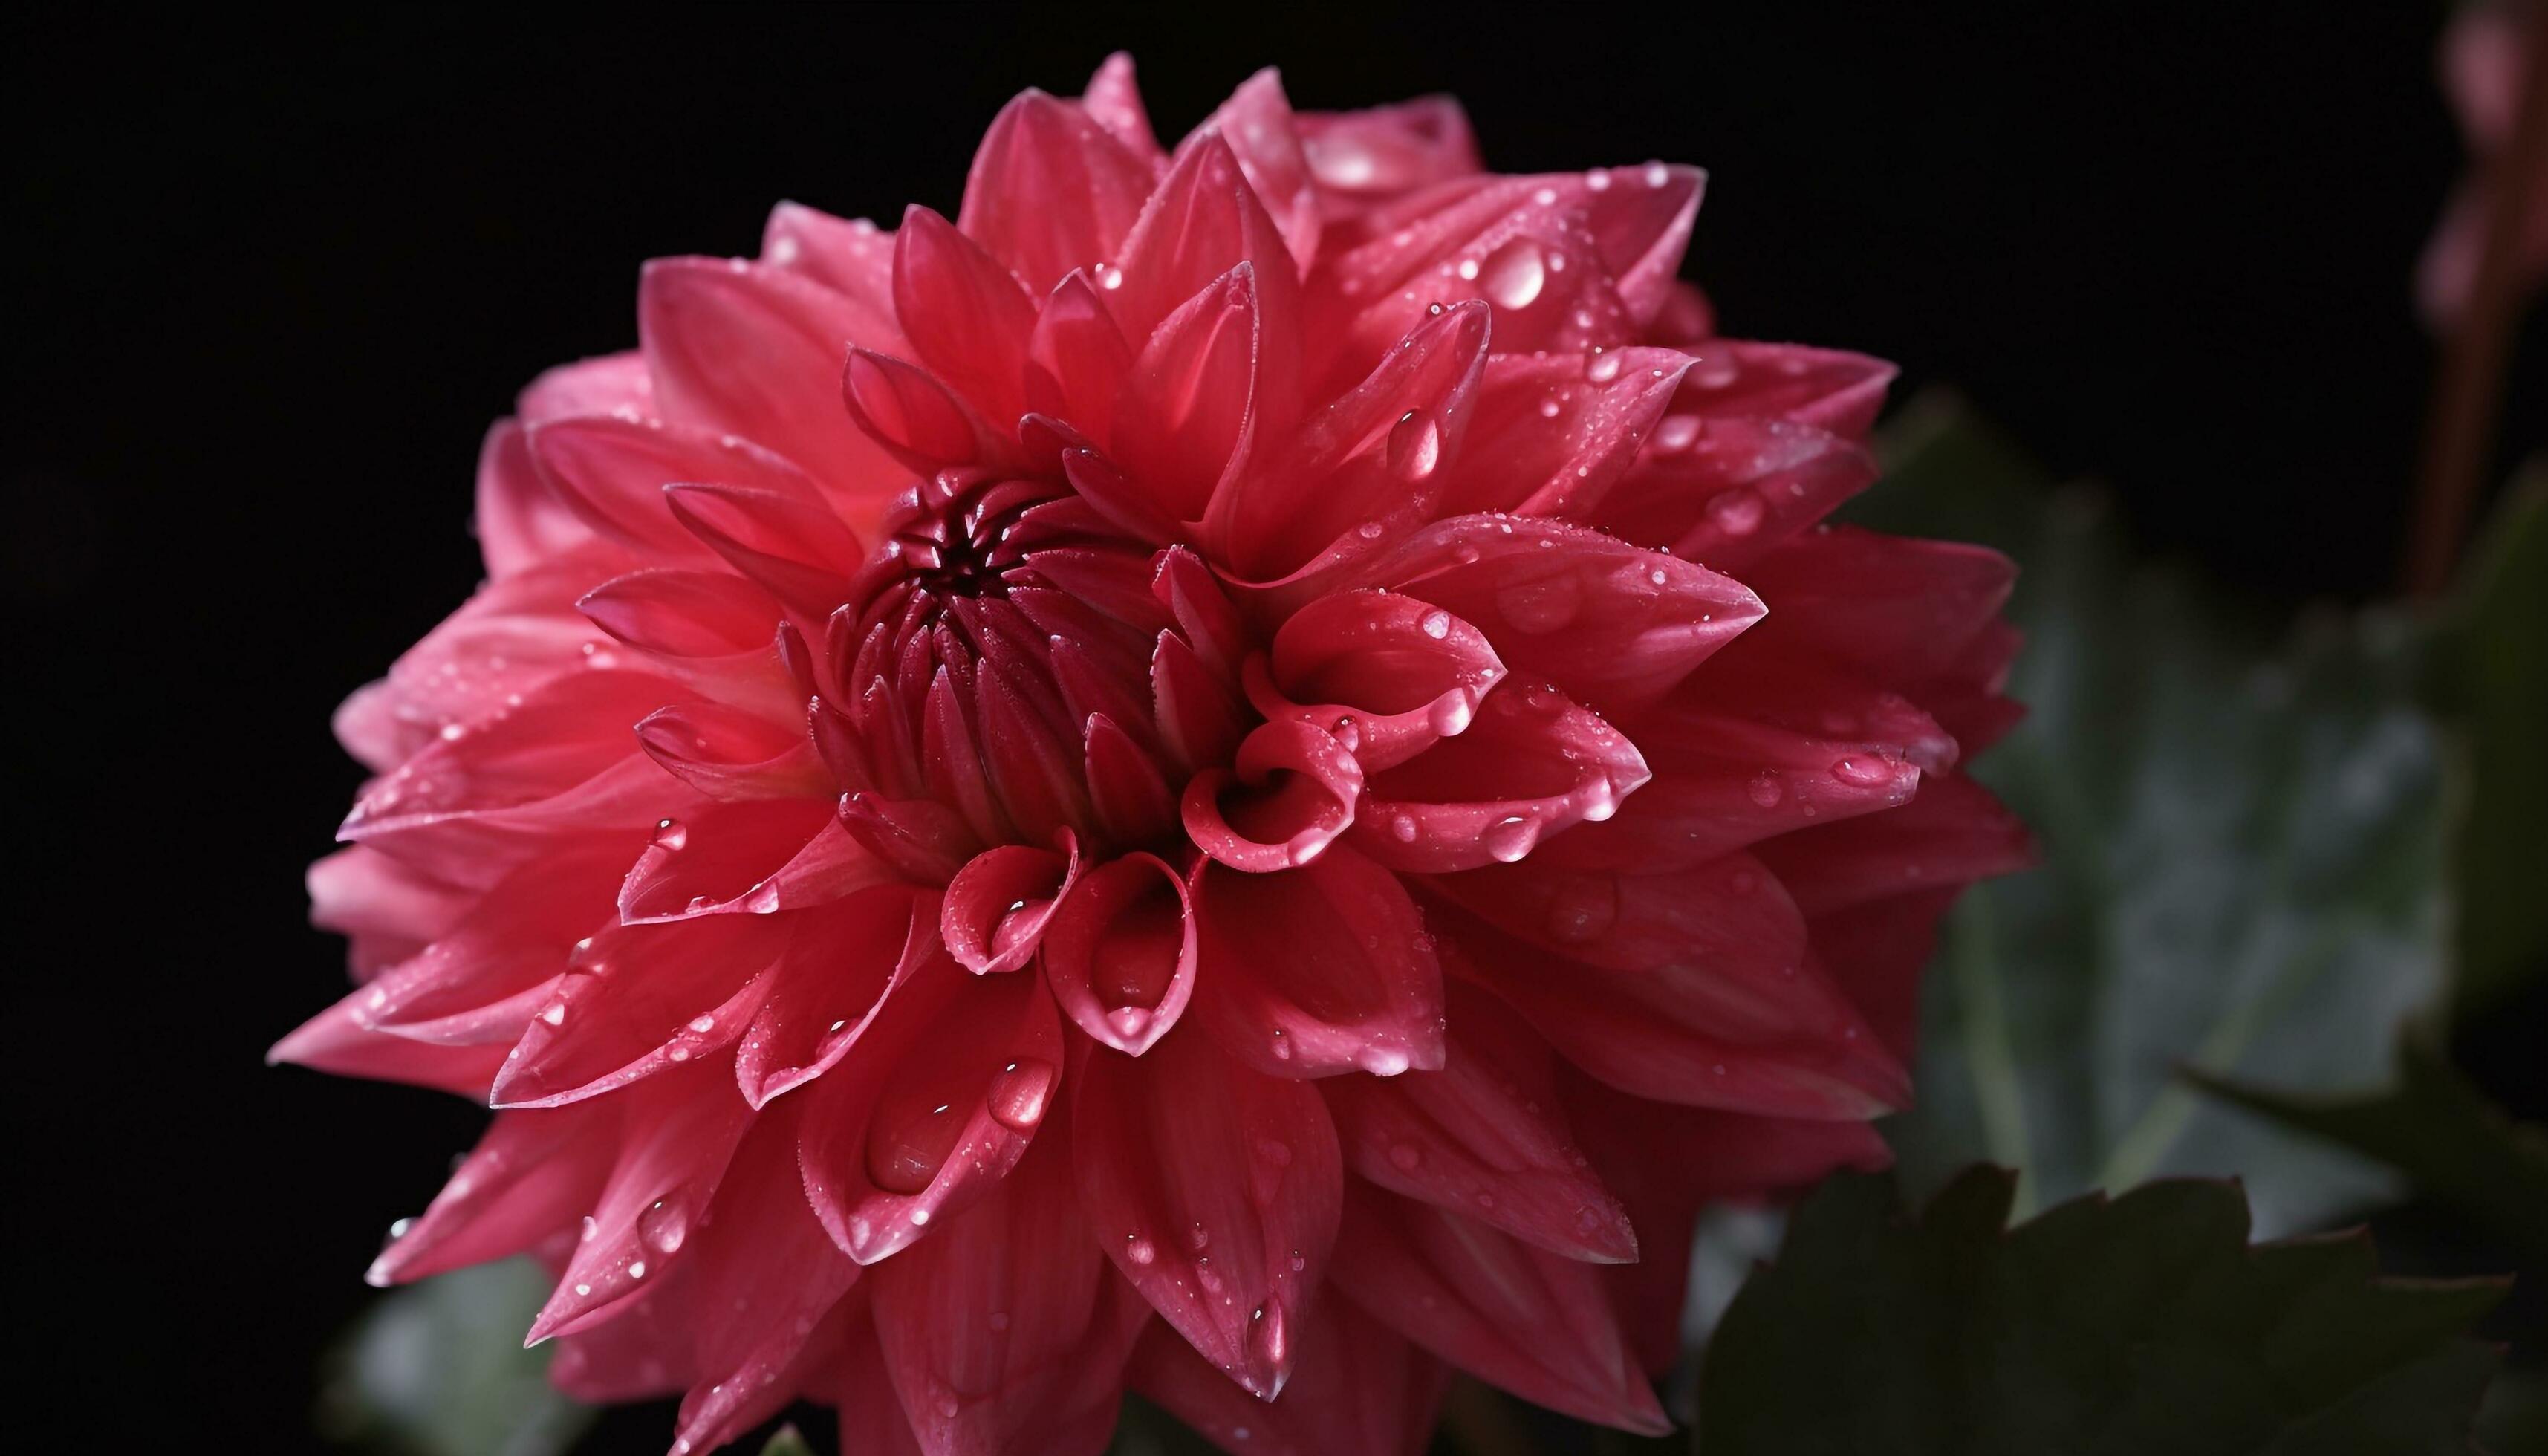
(2435, 1127)
(2148, 1323)
(789, 1441)
(438, 1369)
(2493, 681)
(2241, 868)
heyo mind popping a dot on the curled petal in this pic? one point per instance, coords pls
(1188, 410)
(1516, 1316)
(733, 755)
(1076, 358)
(1000, 903)
(1199, 223)
(1320, 969)
(1215, 1191)
(1386, 674)
(1196, 710)
(1290, 795)
(910, 414)
(1120, 953)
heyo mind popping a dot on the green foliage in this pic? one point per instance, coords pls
(2144, 1323)
(789, 1441)
(2242, 865)
(438, 1369)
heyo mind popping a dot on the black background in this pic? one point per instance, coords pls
(273, 282)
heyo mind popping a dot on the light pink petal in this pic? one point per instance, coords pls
(1484, 1137)
(1528, 1320)
(519, 522)
(967, 315)
(1215, 1191)
(612, 472)
(853, 257)
(607, 384)
(734, 755)
(1553, 434)
(1363, 157)
(795, 549)
(1114, 101)
(752, 857)
(1200, 224)
(1320, 969)
(1726, 490)
(1121, 952)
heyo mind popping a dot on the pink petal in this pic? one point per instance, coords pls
(841, 966)
(1726, 490)
(607, 384)
(1363, 157)
(1523, 1318)
(852, 257)
(796, 549)
(532, 1175)
(938, 1114)
(678, 1139)
(1553, 434)
(1256, 123)
(1530, 766)
(1113, 102)
(1319, 969)
(1051, 191)
(612, 472)
(1952, 832)
(756, 352)
(1006, 1329)
(519, 523)
(1695, 989)
(1606, 622)
(1360, 1391)
(1215, 1191)
(1484, 1137)
(1076, 358)
(965, 315)
(735, 755)
(754, 856)
(1201, 223)
(1187, 411)
(1121, 952)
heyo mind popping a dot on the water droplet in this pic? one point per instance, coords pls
(592, 1227)
(1510, 838)
(1737, 512)
(1861, 772)
(1513, 274)
(637, 1269)
(703, 1023)
(1406, 1156)
(555, 1014)
(1765, 790)
(1402, 829)
(1676, 432)
(670, 835)
(1600, 366)
(664, 1222)
(1435, 624)
(1415, 445)
(1019, 1093)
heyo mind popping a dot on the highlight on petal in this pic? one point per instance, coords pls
(1386, 674)
(1530, 766)
(1289, 796)
(1215, 1191)
(999, 904)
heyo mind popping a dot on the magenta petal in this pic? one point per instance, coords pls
(754, 856)
(606, 384)
(1318, 970)
(998, 905)
(1215, 1191)
(795, 548)
(895, 1141)
(1553, 434)
(1119, 954)
(1289, 794)
(1363, 157)
(1201, 223)
(1257, 122)
(910, 414)
(852, 257)
(734, 755)
(1187, 412)
(636, 1002)
(683, 614)
(1076, 358)
(613, 472)
(1535, 1324)
(1483, 1137)
(964, 313)
(520, 521)
(1112, 101)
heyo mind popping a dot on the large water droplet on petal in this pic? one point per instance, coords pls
(1019, 1093)
(1512, 275)
(1510, 838)
(1415, 445)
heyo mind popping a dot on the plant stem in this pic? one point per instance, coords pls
(2468, 387)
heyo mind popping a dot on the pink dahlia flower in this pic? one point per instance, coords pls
(1242, 772)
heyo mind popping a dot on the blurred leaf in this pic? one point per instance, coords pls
(2242, 864)
(2492, 679)
(2145, 1324)
(788, 1441)
(438, 1369)
(2435, 1127)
